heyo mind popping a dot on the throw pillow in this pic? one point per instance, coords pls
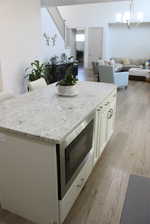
(101, 62)
(126, 61)
(118, 67)
(112, 62)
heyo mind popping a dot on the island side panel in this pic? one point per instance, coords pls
(28, 178)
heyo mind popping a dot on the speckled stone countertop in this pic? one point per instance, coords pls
(44, 115)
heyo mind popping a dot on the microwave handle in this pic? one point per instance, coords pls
(67, 156)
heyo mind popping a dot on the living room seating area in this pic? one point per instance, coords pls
(137, 69)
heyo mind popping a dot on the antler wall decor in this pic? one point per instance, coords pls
(50, 40)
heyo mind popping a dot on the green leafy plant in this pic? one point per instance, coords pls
(69, 79)
(71, 57)
(36, 71)
(63, 57)
(54, 60)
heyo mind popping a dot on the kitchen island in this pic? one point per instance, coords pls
(31, 128)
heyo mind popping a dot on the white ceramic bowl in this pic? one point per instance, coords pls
(67, 90)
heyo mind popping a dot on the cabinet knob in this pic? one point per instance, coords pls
(107, 103)
(99, 109)
(110, 114)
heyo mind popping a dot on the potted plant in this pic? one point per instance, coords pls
(63, 58)
(54, 60)
(71, 59)
(67, 86)
(36, 71)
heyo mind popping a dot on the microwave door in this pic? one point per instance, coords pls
(72, 157)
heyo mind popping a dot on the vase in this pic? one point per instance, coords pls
(67, 90)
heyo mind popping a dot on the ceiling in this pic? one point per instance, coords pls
(73, 2)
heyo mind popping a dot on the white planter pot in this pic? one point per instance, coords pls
(67, 90)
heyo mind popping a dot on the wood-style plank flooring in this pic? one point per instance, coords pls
(128, 152)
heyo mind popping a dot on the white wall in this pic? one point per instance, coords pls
(19, 40)
(90, 15)
(132, 43)
(93, 15)
(22, 26)
(101, 15)
(1, 82)
(50, 28)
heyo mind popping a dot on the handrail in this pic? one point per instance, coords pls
(58, 20)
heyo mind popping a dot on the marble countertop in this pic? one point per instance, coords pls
(44, 115)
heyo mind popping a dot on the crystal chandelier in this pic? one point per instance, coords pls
(130, 16)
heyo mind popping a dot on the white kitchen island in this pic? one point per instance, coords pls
(30, 128)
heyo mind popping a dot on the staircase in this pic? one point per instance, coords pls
(58, 20)
(67, 33)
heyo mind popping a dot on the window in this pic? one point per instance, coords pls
(80, 37)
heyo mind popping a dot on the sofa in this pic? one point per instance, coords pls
(130, 63)
(133, 66)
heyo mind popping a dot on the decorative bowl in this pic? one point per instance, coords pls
(67, 90)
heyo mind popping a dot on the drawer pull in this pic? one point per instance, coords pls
(106, 104)
(99, 109)
(110, 114)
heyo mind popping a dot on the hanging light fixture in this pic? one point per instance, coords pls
(130, 16)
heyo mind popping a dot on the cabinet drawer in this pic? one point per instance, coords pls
(113, 96)
(67, 202)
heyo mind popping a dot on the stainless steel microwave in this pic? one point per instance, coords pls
(73, 153)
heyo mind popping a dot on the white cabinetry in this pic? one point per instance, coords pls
(104, 127)
(111, 117)
(75, 189)
(29, 165)
(104, 124)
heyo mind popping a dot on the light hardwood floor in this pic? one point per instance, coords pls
(128, 152)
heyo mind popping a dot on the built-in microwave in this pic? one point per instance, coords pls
(73, 153)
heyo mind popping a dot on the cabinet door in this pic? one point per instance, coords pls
(100, 131)
(97, 134)
(104, 125)
(111, 118)
(103, 128)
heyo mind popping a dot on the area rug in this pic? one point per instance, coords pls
(136, 208)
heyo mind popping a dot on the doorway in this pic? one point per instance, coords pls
(94, 45)
(80, 46)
